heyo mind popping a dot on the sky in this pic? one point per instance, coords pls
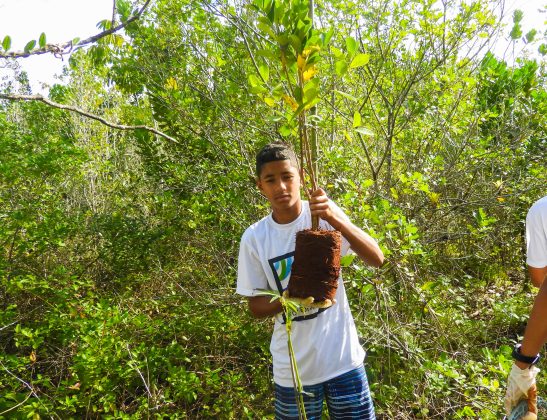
(60, 20)
(63, 20)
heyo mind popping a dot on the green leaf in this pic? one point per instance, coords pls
(516, 31)
(258, 89)
(282, 39)
(296, 43)
(256, 85)
(6, 44)
(313, 83)
(104, 24)
(254, 80)
(266, 29)
(428, 285)
(264, 71)
(274, 294)
(279, 11)
(351, 45)
(346, 95)
(310, 95)
(337, 53)
(365, 131)
(285, 130)
(42, 40)
(531, 35)
(326, 37)
(75, 41)
(311, 104)
(356, 119)
(341, 67)
(271, 12)
(267, 54)
(123, 8)
(359, 61)
(292, 306)
(30, 45)
(346, 260)
(517, 15)
(347, 136)
(543, 49)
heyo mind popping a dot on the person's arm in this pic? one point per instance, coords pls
(362, 244)
(537, 275)
(261, 307)
(521, 382)
(535, 334)
(251, 278)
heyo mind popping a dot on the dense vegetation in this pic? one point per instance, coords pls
(119, 247)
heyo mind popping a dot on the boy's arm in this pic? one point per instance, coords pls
(537, 275)
(251, 277)
(261, 307)
(521, 383)
(536, 330)
(362, 244)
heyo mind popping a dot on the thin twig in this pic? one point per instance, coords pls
(138, 371)
(9, 325)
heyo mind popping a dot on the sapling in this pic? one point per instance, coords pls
(295, 52)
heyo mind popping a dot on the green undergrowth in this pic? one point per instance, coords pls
(179, 354)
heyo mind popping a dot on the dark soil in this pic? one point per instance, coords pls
(316, 265)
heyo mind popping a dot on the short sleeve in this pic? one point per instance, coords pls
(536, 236)
(250, 274)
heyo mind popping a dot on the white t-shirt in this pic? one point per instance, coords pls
(536, 234)
(325, 341)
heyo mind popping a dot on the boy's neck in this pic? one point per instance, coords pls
(285, 216)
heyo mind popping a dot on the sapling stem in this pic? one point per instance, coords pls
(289, 309)
(298, 388)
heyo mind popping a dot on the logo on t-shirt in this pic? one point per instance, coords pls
(281, 269)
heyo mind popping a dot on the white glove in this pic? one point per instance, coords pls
(519, 383)
(309, 302)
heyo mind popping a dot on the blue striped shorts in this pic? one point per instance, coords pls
(347, 396)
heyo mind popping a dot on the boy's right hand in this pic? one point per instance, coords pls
(321, 206)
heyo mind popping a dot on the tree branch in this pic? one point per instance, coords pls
(79, 111)
(59, 50)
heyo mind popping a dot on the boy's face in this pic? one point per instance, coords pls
(279, 181)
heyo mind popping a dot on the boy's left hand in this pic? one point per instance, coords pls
(521, 385)
(320, 206)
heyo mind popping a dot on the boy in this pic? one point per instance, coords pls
(327, 350)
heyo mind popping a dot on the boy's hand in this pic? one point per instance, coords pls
(521, 385)
(361, 243)
(320, 206)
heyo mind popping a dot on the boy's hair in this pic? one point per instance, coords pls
(273, 152)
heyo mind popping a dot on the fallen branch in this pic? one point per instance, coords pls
(9, 325)
(27, 385)
(17, 405)
(40, 98)
(59, 50)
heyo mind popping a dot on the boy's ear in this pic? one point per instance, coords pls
(258, 183)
